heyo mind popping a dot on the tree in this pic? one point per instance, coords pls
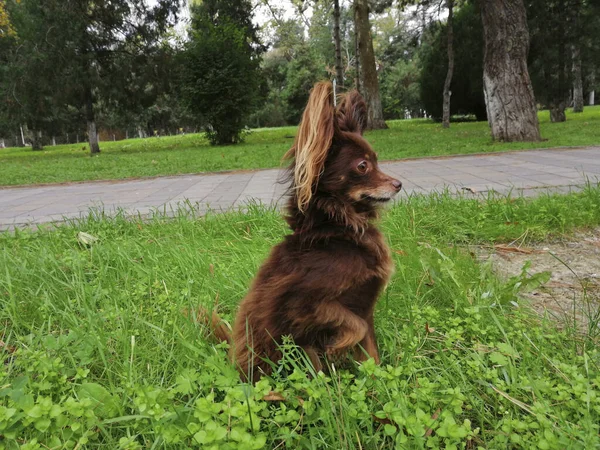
(339, 70)
(510, 102)
(467, 82)
(577, 80)
(588, 38)
(448, 81)
(576, 57)
(81, 53)
(369, 83)
(301, 75)
(220, 76)
(6, 28)
(398, 54)
(564, 51)
(400, 90)
(552, 59)
(29, 79)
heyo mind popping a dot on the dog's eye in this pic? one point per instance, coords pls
(362, 166)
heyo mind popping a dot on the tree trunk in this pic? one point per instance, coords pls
(507, 87)
(557, 113)
(369, 82)
(339, 71)
(558, 102)
(591, 99)
(91, 124)
(357, 85)
(448, 81)
(36, 140)
(576, 55)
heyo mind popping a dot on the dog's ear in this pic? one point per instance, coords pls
(314, 138)
(351, 113)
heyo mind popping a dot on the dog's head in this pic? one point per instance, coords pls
(331, 159)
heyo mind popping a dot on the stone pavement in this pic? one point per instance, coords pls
(523, 172)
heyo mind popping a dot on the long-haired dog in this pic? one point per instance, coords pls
(320, 284)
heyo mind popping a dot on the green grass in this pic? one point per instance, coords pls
(97, 353)
(265, 147)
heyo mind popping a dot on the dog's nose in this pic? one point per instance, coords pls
(397, 184)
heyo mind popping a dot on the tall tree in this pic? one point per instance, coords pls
(467, 80)
(95, 49)
(6, 28)
(369, 83)
(576, 57)
(337, 39)
(577, 79)
(448, 80)
(508, 91)
(552, 58)
(28, 78)
(220, 75)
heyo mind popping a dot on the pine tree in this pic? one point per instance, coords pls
(220, 74)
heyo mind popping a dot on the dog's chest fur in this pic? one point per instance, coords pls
(370, 277)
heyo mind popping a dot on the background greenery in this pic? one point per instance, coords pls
(146, 71)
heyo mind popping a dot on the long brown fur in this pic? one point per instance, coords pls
(321, 283)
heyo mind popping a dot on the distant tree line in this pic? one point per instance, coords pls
(74, 70)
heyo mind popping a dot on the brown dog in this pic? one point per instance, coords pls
(320, 284)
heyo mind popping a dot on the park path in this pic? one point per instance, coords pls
(526, 172)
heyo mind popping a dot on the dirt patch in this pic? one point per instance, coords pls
(574, 264)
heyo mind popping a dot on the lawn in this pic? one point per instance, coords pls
(97, 352)
(265, 147)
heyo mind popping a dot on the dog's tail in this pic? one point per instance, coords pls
(220, 329)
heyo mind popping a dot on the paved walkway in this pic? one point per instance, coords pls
(523, 172)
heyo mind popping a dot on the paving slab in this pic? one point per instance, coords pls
(523, 172)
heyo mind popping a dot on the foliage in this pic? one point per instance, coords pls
(401, 70)
(274, 71)
(76, 54)
(6, 28)
(220, 76)
(27, 97)
(293, 65)
(121, 63)
(467, 82)
(555, 26)
(400, 90)
(552, 38)
(97, 352)
(301, 75)
(191, 153)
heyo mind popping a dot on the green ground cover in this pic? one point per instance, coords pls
(265, 147)
(96, 352)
